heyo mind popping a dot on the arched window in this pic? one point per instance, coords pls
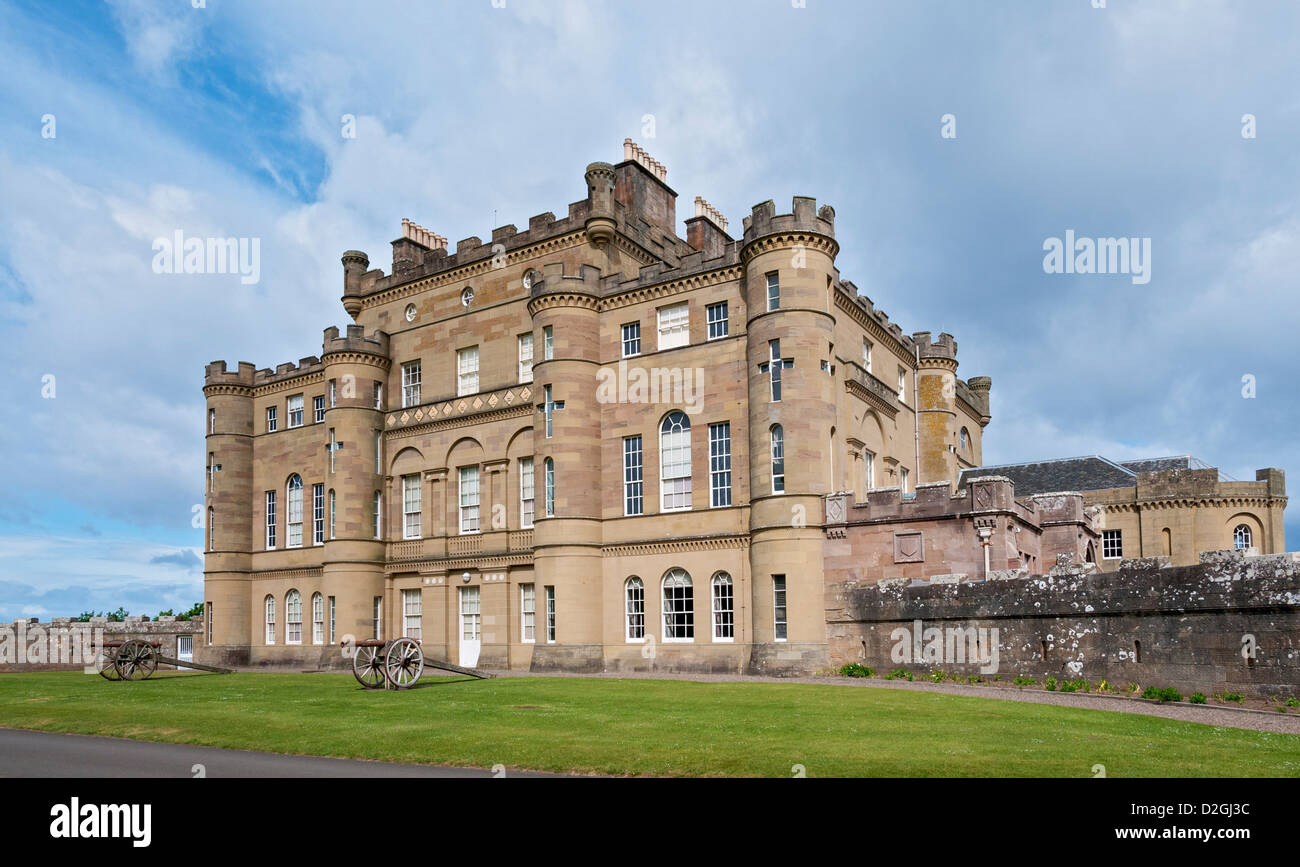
(635, 594)
(724, 608)
(294, 517)
(1242, 538)
(317, 619)
(778, 459)
(675, 462)
(550, 487)
(679, 606)
(965, 439)
(293, 617)
(270, 619)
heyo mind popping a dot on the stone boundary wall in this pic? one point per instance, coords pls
(165, 629)
(1189, 627)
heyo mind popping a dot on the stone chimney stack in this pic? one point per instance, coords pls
(707, 230)
(641, 186)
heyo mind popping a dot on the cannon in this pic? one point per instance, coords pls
(138, 660)
(398, 663)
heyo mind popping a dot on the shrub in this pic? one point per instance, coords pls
(936, 676)
(1022, 682)
(1050, 684)
(1162, 693)
(898, 674)
(1231, 696)
(1075, 686)
(1293, 702)
(1197, 698)
(854, 669)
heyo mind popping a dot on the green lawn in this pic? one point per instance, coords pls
(642, 727)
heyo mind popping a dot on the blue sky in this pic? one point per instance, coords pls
(225, 121)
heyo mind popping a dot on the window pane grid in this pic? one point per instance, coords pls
(411, 613)
(724, 607)
(679, 607)
(633, 485)
(467, 371)
(674, 326)
(635, 609)
(528, 611)
(675, 462)
(410, 383)
(720, 464)
(525, 358)
(411, 507)
(716, 316)
(631, 339)
(318, 513)
(469, 500)
(526, 493)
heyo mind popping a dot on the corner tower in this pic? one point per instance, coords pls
(227, 563)
(789, 267)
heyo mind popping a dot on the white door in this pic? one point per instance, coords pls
(185, 648)
(470, 624)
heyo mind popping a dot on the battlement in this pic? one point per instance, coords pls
(288, 370)
(555, 281)
(355, 340)
(804, 217)
(945, 346)
(217, 374)
(880, 317)
(937, 499)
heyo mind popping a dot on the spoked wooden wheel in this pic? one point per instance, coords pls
(404, 662)
(136, 661)
(107, 663)
(368, 667)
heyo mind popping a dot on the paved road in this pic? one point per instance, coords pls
(50, 754)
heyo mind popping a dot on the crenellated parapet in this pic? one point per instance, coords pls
(558, 289)
(355, 342)
(217, 379)
(805, 226)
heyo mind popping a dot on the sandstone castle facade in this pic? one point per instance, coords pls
(594, 445)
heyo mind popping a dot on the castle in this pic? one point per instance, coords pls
(594, 445)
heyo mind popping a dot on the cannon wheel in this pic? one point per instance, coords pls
(136, 660)
(107, 663)
(404, 662)
(368, 667)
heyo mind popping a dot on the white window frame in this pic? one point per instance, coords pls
(526, 357)
(724, 608)
(869, 464)
(866, 354)
(1112, 541)
(717, 315)
(333, 613)
(318, 409)
(633, 476)
(632, 340)
(333, 510)
(294, 410)
(678, 618)
(634, 610)
(528, 613)
(904, 478)
(334, 393)
(379, 515)
(411, 384)
(268, 636)
(318, 514)
(293, 609)
(773, 291)
(468, 495)
(379, 394)
(548, 342)
(719, 464)
(675, 485)
(377, 616)
(674, 326)
(902, 385)
(467, 371)
(1237, 537)
(270, 520)
(317, 618)
(293, 507)
(550, 613)
(412, 507)
(780, 609)
(379, 452)
(412, 613)
(549, 481)
(212, 421)
(527, 493)
(777, 434)
(272, 422)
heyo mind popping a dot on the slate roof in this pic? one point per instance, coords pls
(1091, 473)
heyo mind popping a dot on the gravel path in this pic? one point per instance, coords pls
(1238, 718)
